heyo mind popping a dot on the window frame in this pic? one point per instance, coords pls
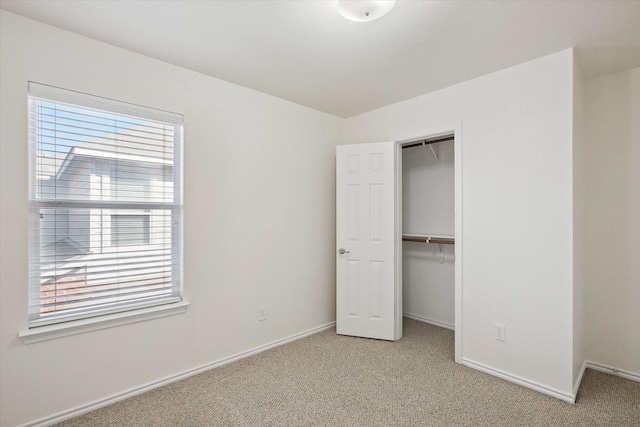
(100, 318)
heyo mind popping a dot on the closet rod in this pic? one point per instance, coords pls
(415, 239)
(442, 241)
(420, 239)
(427, 142)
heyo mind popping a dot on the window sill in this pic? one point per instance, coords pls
(45, 333)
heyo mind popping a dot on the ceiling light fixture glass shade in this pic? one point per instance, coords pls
(364, 10)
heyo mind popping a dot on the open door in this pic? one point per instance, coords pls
(368, 296)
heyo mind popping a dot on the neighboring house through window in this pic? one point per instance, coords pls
(105, 206)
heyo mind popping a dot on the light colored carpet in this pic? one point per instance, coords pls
(331, 380)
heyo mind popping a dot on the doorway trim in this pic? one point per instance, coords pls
(454, 129)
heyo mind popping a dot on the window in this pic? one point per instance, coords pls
(129, 230)
(105, 206)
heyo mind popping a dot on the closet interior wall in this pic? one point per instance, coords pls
(428, 202)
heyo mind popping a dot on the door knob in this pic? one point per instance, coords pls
(341, 251)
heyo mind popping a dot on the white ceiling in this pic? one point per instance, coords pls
(304, 51)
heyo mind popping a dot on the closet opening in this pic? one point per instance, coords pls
(428, 217)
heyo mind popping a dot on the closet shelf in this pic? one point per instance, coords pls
(427, 142)
(442, 240)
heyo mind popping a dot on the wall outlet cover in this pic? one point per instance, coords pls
(262, 312)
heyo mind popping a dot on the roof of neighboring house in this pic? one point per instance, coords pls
(129, 145)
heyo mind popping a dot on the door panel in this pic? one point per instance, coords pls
(366, 288)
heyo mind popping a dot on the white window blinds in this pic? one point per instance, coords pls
(105, 206)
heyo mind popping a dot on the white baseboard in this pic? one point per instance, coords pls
(613, 371)
(429, 321)
(520, 381)
(83, 409)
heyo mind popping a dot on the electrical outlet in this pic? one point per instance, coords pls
(262, 312)
(501, 332)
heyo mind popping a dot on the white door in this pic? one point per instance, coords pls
(367, 294)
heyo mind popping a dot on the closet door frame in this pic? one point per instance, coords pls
(454, 129)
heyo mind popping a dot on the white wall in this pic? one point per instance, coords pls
(259, 186)
(579, 227)
(612, 106)
(517, 263)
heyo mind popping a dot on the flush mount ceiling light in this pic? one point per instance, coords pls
(364, 10)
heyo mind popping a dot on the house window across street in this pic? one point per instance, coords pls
(105, 200)
(129, 230)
